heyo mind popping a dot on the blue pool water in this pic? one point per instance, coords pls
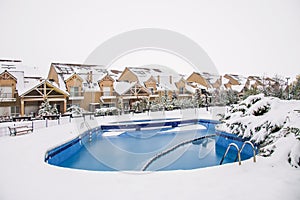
(132, 149)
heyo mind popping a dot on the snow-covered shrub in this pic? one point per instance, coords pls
(261, 110)
(107, 111)
(46, 109)
(155, 107)
(75, 110)
(266, 121)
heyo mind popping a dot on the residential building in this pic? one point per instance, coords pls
(158, 81)
(81, 81)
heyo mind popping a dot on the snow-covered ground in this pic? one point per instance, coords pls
(25, 175)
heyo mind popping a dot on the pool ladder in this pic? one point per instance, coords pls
(239, 151)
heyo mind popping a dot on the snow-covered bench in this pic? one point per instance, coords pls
(18, 130)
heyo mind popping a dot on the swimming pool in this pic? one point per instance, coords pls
(149, 145)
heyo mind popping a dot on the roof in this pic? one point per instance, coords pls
(90, 74)
(123, 87)
(211, 78)
(35, 84)
(163, 73)
(18, 66)
(25, 76)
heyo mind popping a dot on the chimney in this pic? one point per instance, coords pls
(90, 77)
(170, 78)
(158, 79)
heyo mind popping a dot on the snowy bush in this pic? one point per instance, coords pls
(265, 121)
(47, 109)
(75, 110)
(107, 111)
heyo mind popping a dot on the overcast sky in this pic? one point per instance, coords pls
(257, 37)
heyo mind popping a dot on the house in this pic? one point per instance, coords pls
(158, 80)
(108, 96)
(234, 82)
(254, 82)
(39, 92)
(85, 83)
(22, 90)
(130, 92)
(13, 79)
(205, 81)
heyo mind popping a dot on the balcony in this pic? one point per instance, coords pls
(7, 97)
(108, 95)
(76, 96)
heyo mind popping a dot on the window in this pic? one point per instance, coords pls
(74, 91)
(106, 91)
(181, 90)
(14, 110)
(152, 90)
(6, 92)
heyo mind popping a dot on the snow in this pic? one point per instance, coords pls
(185, 128)
(211, 78)
(112, 133)
(190, 88)
(25, 175)
(237, 88)
(144, 73)
(267, 121)
(123, 87)
(65, 71)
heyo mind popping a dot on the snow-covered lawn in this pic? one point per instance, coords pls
(25, 175)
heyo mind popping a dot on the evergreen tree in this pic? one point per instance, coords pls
(47, 109)
(197, 98)
(295, 92)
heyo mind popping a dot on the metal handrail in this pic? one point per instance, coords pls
(227, 150)
(253, 149)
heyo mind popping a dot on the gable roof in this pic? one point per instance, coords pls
(90, 74)
(41, 83)
(163, 76)
(123, 87)
(6, 72)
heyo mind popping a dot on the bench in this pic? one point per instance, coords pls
(18, 130)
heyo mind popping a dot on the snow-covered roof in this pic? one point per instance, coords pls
(26, 75)
(239, 78)
(211, 78)
(199, 86)
(123, 87)
(164, 76)
(190, 88)
(238, 88)
(115, 74)
(31, 84)
(90, 74)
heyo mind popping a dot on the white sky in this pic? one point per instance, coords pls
(257, 37)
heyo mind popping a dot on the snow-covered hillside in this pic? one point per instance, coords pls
(270, 122)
